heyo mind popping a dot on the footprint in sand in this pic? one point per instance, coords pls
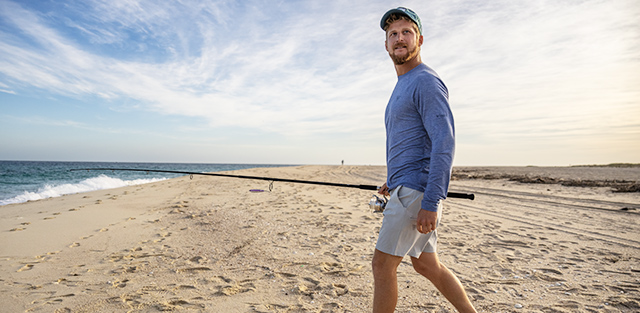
(164, 235)
(235, 289)
(193, 269)
(17, 229)
(331, 307)
(266, 308)
(25, 268)
(73, 245)
(178, 304)
(198, 259)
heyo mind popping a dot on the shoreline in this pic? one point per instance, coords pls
(34, 180)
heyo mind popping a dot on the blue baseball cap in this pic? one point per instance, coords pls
(402, 11)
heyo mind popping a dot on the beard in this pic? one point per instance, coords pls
(399, 60)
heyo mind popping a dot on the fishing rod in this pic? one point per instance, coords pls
(469, 196)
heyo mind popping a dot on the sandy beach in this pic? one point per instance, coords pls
(209, 244)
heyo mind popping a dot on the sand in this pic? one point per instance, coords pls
(208, 244)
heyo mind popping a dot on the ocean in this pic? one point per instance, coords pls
(22, 181)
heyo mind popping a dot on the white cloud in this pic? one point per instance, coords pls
(273, 82)
(544, 72)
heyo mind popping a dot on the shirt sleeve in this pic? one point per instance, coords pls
(433, 99)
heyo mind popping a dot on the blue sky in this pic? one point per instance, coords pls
(544, 82)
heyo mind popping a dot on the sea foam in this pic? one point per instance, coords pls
(90, 184)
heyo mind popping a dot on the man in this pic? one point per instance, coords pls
(420, 147)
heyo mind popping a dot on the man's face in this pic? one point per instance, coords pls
(402, 43)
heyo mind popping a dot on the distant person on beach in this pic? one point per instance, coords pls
(420, 147)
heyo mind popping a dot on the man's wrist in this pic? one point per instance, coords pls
(431, 207)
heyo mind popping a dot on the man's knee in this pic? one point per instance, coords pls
(383, 263)
(427, 265)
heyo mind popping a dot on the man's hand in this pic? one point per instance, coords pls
(426, 221)
(384, 190)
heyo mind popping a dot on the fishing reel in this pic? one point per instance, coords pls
(377, 204)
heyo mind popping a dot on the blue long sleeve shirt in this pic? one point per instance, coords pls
(420, 135)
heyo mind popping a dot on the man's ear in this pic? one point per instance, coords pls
(420, 40)
(385, 46)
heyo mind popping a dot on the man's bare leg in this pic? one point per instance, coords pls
(385, 294)
(429, 266)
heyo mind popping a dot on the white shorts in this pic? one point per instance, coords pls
(398, 234)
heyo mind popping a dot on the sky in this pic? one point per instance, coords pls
(540, 82)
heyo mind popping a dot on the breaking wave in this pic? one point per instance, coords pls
(90, 184)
